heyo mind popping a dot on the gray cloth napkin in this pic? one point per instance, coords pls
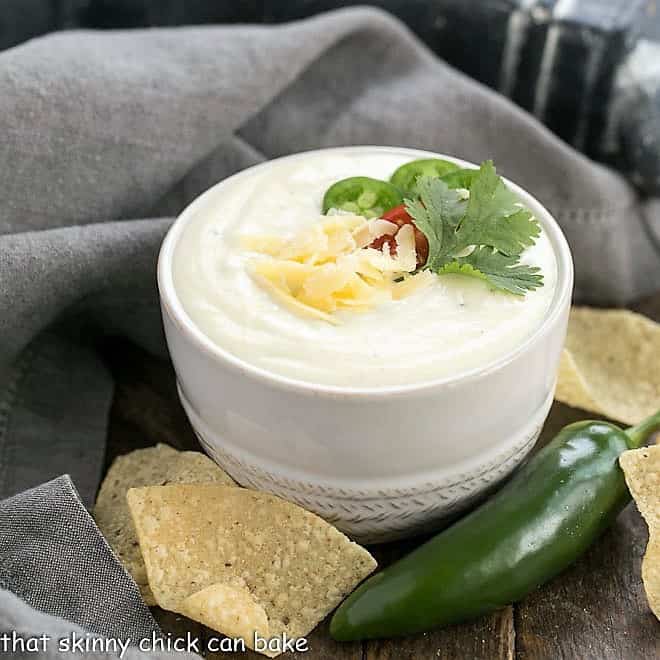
(53, 558)
(105, 133)
(31, 634)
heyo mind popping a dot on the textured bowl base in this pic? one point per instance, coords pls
(389, 511)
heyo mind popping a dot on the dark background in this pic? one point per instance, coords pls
(23, 19)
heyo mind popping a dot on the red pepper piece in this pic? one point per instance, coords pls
(400, 217)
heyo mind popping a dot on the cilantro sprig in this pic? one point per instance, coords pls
(482, 236)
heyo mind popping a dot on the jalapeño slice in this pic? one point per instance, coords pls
(405, 177)
(460, 178)
(362, 195)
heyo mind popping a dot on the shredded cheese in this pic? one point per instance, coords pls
(330, 266)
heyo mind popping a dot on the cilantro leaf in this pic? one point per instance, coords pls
(495, 217)
(483, 236)
(501, 271)
(437, 200)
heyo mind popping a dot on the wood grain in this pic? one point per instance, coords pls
(489, 637)
(596, 610)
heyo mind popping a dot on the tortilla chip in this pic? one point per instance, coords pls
(145, 467)
(230, 609)
(242, 562)
(610, 364)
(642, 470)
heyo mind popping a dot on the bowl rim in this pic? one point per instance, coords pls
(171, 304)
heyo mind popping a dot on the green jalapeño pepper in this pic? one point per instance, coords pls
(405, 177)
(539, 523)
(362, 195)
(460, 178)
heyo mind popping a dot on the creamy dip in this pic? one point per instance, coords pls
(452, 326)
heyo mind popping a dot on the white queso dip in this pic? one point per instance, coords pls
(453, 324)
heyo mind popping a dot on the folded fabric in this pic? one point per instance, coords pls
(558, 60)
(53, 556)
(105, 134)
(56, 568)
(28, 634)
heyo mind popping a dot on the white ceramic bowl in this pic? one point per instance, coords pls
(383, 463)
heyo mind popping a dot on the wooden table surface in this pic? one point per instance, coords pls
(595, 610)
